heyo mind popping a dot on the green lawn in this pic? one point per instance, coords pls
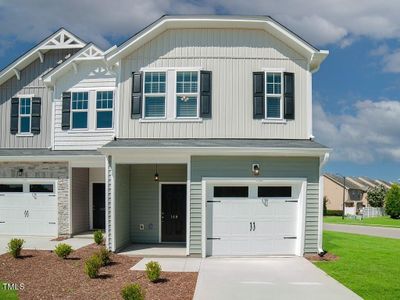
(370, 266)
(6, 294)
(377, 221)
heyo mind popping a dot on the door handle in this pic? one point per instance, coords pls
(254, 226)
(251, 226)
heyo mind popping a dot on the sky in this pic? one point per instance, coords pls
(356, 92)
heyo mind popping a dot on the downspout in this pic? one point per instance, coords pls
(323, 161)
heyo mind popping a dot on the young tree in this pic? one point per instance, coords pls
(392, 201)
(376, 196)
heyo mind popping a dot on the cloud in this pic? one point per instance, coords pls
(370, 134)
(321, 22)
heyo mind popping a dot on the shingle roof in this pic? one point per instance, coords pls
(211, 143)
(340, 180)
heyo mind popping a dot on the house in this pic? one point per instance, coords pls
(354, 193)
(56, 107)
(211, 146)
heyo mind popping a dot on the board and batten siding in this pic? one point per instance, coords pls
(80, 200)
(232, 55)
(30, 84)
(270, 167)
(91, 76)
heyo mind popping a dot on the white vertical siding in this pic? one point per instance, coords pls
(232, 55)
(91, 76)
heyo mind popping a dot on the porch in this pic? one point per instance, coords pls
(151, 209)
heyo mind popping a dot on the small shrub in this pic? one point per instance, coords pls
(92, 266)
(98, 237)
(392, 201)
(63, 250)
(153, 270)
(105, 256)
(15, 247)
(376, 196)
(132, 292)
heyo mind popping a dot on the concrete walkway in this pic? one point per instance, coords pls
(266, 278)
(393, 233)
(44, 243)
(171, 264)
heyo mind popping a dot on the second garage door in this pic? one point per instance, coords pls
(251, 219)
(28, 208)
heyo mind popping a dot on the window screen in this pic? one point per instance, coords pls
(231, 191)
(11, 188)
(41, 188)
(274, 191)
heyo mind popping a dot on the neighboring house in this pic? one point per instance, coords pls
(355, 194)
(52, 179)
(213, 147)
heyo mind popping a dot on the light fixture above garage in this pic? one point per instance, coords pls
(255, 169)
(156, 176)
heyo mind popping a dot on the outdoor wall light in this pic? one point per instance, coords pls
(255, 169)
(156, 176)
(20, 172)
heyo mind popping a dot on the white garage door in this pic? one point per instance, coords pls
(28, 208)
(252, 219)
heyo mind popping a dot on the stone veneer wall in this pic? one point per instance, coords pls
(48, 170)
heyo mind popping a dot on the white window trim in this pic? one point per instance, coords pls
(170, 115)
(269, 119)
(154, 94)
(188, 94)
(80, 110)
(105, 109)
(24, 115)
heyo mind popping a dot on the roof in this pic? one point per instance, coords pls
(61, 39)
(214, 143)
(314, 55)
(360, 183)
(45, 152)
(348, 184)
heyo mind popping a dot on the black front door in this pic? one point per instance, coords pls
(99, 206)
(173, 212)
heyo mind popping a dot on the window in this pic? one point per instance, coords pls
(11, 188)
(104, 109)
(41, 188)
(231, 191)
(79, 110)
(355, 195)
(273, 95)
(274, 191)
(154, 94)
(187, 94)
(25, 115)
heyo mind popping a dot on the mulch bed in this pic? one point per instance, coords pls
(46, 276)
(326, 257)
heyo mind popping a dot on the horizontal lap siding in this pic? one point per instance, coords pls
(90, 77)
(270, 167)
(122, 206)
(30, 83)
(232, 55)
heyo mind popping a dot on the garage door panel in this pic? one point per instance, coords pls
(252, 226)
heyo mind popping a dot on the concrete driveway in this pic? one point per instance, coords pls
(388, 232)
(44, 243)
(266, 278)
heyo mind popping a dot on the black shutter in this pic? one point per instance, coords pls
(66, 111)
(288, 96)
(36, 113)
(205, 94)
(137, 95)
(14, 115)
(258, 95)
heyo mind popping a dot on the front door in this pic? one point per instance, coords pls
(173, 212)
(99, 206)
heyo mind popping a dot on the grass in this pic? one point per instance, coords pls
(376, 221)
(7, 294)
(369, 266)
